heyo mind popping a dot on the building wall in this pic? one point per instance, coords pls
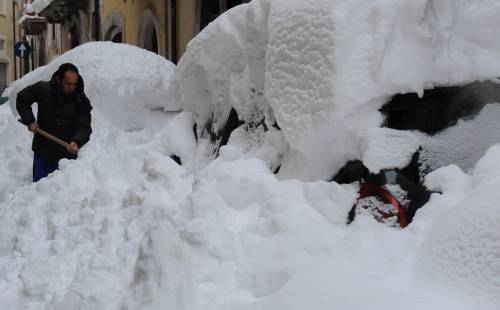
(75, 31)
(127, 21)
(62, 37)
(133, 13)
(6, 34)
(49, 44)
(186, 24)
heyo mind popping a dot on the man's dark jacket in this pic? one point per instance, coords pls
(64, 116)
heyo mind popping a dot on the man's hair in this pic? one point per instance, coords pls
(65, 68)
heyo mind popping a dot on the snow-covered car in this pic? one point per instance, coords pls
(453, 120)
(447, 118)
(319, 90)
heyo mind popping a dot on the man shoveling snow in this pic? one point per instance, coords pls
(63, 111)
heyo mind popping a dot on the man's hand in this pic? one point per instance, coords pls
(33, 127)
(72, 147)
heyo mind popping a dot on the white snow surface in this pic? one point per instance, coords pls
(317, 67)
(464, 143)
(125, 227)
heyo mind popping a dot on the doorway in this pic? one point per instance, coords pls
(148, 34)
(3, 76)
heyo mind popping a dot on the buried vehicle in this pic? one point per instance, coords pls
(315, 92)
(458, 127)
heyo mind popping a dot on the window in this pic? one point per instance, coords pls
(3, 47)
(3, 7)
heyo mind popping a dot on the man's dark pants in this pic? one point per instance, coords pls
(42, 167)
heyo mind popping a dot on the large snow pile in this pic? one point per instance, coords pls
(322, 68)
(114, 83)
(125, 227)
(53, 253)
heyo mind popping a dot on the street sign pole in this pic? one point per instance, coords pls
(22, 49)
(14, 30)
(32, 54)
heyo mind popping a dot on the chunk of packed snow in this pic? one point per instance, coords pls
(389, 148)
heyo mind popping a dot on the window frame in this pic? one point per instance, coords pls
(3, 7)
(3, 48)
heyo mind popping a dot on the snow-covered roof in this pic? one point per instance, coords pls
(26, 17)
(33, 9)
(39, 5)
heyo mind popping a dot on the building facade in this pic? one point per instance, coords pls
(9, 34)
(144, 23)
(56, 26)
(53, 27)
(161, 26)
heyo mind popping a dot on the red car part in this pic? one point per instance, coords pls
(369, 189)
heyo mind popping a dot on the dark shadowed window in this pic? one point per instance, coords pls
(209, 11)
(148, 38)
(151, 42)
(3, 76)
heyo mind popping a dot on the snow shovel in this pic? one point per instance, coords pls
(50, 137)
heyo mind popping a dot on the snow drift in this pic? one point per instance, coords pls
(114, 83)
(321, 69)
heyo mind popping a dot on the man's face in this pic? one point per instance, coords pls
(69, 82)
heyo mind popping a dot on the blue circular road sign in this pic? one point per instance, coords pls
(22, 49)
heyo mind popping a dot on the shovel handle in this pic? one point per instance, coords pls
(49, 136)
(52, 138)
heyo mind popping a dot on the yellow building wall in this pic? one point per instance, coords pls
(186, 22)
(132, 11)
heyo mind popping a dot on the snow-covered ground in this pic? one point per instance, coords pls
(125, 227)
